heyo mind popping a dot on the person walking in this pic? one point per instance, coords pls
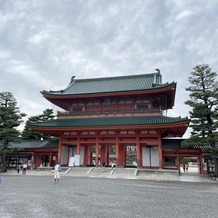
(18, 168)
(183, 167)
(57, 170)
(24, 168)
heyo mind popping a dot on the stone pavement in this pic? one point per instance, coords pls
(34, 196)
(125, 173)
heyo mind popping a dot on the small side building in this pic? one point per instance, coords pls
(36, 153)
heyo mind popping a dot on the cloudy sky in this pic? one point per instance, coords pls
(44, 43)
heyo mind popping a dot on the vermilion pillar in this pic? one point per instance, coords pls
(107, 154)
(86, 154)
(178, 160)
(117, 151)
(90, 155)
(68, 154)
(78, 145)
(138, 151)
(124, 155)
(103, 154)
(97, 150)
(121, 155)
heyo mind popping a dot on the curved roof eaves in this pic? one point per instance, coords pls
(111, 121)
(110, 84)
(93, 87)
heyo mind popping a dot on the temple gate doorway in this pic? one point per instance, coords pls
(130, 156)
(191, 164)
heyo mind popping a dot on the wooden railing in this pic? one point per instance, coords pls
(108, 112)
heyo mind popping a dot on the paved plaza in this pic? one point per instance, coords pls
(32, 196)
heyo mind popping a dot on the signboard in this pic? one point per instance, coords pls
(77, 160)
(72, 162)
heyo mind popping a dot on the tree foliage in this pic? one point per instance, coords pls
(184, 160)
(28, 134)
(10, 119)
(204, 103)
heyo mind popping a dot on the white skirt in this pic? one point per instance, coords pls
(57, 175)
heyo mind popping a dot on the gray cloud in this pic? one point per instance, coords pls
(44, 43)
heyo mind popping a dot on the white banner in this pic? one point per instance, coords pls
(72, 162)
(77, 160)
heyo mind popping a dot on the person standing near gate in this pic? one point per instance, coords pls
(18, 168)
(183, 166)
(186, 167)
(57, 170)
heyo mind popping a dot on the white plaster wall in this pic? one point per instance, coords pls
(64, 155)
(146, 158)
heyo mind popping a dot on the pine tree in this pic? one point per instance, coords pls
(204, 103)
(10, 119)
(28, 134)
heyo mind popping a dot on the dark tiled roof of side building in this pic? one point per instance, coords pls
(112, 84)
(172, 143)
(176, 143)
(34, 144)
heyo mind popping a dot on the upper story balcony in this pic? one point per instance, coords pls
(109, 113)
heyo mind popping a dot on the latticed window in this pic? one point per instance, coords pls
(77, 109)
(142, 107)
(170, 160)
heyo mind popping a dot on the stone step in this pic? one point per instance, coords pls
(125, 171)
(104, 171)
(157, 171)
(51, 168)
(100, 171)
(79, 170)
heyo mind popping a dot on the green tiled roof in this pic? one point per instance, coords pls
(111, 121)
(112, 84)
